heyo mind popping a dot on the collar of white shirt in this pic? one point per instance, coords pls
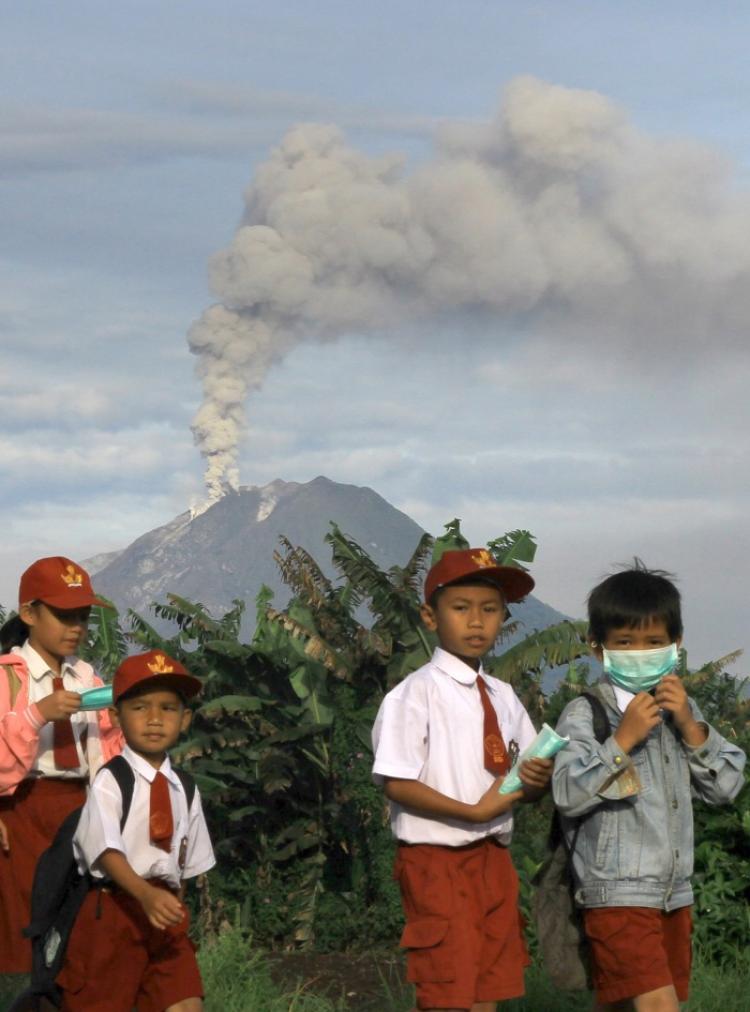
(622, 696)
(146, 770)
(451, 665)
(38, 667)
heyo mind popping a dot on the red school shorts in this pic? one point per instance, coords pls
(117, 961)
(32, 815)
(639, 949)
(463, 934)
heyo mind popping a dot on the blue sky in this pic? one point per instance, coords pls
(128, 136)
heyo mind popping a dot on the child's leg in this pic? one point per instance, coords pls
(663, 999)
(187, 1005)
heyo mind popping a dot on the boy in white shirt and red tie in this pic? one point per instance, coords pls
(444, 738)
(129, 947)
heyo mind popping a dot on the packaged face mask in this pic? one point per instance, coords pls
(639, 670)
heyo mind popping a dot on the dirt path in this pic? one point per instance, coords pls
(362, 979)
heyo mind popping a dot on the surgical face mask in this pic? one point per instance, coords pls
(639, 670)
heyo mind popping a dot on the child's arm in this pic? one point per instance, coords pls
(427, 801)
(20, 726)
(4, 838)
(586, 773)
(162, 908)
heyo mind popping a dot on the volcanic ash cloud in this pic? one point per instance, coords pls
(557, 211)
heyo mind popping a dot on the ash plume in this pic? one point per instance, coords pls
(557, 212)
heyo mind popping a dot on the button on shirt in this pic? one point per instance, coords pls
(99, 827)
(430, 728)
(75, 676)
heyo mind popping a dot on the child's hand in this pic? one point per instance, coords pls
(641, 715)
(492, 804)
(536, 774)
(59, 705)
(162, 908)
(670, 695)
(4, 838)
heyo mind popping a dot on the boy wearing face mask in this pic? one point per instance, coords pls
(631, 795)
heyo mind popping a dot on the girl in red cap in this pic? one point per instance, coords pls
(49, 749)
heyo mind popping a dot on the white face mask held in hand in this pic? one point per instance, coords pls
(639, 670)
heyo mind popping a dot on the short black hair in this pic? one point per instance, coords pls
(632, 597)
(472, 580)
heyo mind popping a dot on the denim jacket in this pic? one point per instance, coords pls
(635, 843)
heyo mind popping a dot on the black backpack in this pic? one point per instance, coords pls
(559, 921)
(58, 892)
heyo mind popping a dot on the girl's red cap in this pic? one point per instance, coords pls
(59, 582)
(152, 666)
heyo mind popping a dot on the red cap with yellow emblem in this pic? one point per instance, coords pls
(462, 563)
(59, 582)
(153, 666)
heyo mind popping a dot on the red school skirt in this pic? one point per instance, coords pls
(33, 814)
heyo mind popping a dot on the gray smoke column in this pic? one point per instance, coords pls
(558, 210)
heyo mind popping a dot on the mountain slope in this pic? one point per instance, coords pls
(227, 551)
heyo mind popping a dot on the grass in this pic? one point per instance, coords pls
(237, 979)
(238, 982)
(11, 984)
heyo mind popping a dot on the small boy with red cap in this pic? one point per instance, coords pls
(129, 947)
(444, 739)
(49, 748)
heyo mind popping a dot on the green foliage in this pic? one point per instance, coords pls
(510, 549)
(453, 540)
(722, 853)
(237, 978)
(513, 548)
(106, 644)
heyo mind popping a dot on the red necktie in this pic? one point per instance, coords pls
(160, 813)
(495, 753)
(63, 738)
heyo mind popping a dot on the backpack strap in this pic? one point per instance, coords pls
(122, 771)
(14, 683)
(602, 727)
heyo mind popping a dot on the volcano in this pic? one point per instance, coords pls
(226, 551)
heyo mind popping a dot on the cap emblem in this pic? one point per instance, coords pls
(72, 577)
(159, 666)
(483, 559)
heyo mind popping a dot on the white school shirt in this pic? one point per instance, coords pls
(77, 676)
(99, 827)
(430, 728)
